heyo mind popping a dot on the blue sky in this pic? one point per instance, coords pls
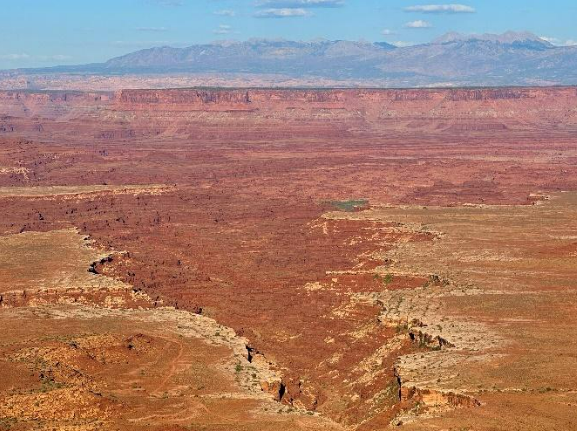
(43, 33)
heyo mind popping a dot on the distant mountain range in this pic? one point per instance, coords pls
(453, 59)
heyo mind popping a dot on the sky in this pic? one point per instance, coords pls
(41, 33)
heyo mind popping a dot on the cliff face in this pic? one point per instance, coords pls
(201, 113)
(417, 101)
(496, 108)
(349, 99)
(182, 97)
(493, 94)
(49, 104)
(69, 97)
(224, 100)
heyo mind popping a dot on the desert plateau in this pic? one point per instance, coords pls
(288, 259)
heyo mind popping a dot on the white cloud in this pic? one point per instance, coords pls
(57, 57)
(292, 8)
(27, 57)
(387, 32)
(295, 4)
(14, 57)
(571, 42)
(418, 24)
(223, 29)
(225, 12)
(282, 13)
(152, 29)
(441, 8)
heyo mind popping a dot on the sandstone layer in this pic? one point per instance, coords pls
(386, 257)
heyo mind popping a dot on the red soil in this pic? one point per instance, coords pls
(240, 237)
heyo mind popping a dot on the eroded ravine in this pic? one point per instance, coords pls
(62, 283)
(477, 254)
(239, 236)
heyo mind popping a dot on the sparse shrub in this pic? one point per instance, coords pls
(349, 205)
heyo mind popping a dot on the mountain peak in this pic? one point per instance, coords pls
(455, 59)
(508, 37)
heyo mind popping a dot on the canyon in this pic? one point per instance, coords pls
(315, 259)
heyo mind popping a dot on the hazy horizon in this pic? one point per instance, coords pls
(91, 32)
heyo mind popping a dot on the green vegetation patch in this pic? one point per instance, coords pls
(350, 205)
